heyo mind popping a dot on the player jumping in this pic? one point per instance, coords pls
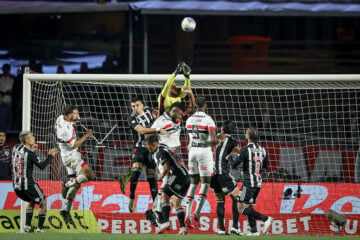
(78, 171)
(140, 122)
(201, 131)
(176, 186)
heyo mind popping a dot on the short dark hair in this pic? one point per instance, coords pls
(253, 134)
(228, 126)
(151, 139)
(6, 65)
(136, 98)
(177, 105)
(69, 109)
(200, 101)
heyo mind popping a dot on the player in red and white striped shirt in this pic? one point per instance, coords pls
(78, 171)
(201, 131)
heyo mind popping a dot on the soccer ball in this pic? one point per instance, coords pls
(188, 24)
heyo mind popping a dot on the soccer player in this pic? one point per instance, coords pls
(176, 186)
(78, 171)
(140, 122)
(23, 161)
(171, 122)
(170, 93)
(201, 131)
(254, 158)
(222, 182)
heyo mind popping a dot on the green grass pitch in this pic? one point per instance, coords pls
(90, 236)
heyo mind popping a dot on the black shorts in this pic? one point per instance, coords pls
(177, 186)
(223, 183)
(248, 195)
(142, 155)
(34, 194)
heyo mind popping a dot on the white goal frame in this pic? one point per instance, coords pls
(195, 78)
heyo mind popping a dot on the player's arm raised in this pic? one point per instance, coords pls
(81, 140)
(191, 104)
(140, 129)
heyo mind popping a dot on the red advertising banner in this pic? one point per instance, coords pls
(304, 215)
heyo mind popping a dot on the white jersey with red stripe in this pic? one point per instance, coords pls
(165, 122)
(66, 136)
(198, 126)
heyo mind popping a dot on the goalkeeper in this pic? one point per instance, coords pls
(171, 94)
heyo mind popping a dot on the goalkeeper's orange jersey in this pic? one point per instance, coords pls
(164, 100)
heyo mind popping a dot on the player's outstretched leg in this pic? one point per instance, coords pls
(86, 174)
(136, 171)
(205, 185)
(190, 201)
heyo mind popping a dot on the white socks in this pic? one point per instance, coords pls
(190, 199)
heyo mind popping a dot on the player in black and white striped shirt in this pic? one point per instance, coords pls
(140, 122)
(176, 185)
(222, 183)
(23, 161)
(254, 158)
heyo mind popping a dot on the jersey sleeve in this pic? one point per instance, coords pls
(132, 121)
(40, 164)
(166, 88)
(164, 157)
(211, 124)
(266, 160)
(233, 144)
(157, 123)
(240, 158)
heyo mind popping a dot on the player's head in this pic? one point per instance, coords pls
(137, 105)
(251, 135)
(71, 113)
(152, 143)
(228, 127)
(27, 138)
(175, 111)
(200, 103)
(2, 138)
(6, 68)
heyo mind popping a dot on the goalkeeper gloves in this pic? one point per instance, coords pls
(186, 70)
(179, 68)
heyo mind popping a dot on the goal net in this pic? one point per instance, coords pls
(308, 123)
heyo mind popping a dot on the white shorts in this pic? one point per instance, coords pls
(201, 161)
(73, 163)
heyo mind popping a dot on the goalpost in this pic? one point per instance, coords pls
(308, 123)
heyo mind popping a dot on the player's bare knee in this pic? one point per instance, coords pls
(137, 165)
(206, 179)
(220, 196)
(177, 203)
(150, 171)
(164, 197)
(42, 204)
(195, 179)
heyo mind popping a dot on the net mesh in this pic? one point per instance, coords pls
(310, 129)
